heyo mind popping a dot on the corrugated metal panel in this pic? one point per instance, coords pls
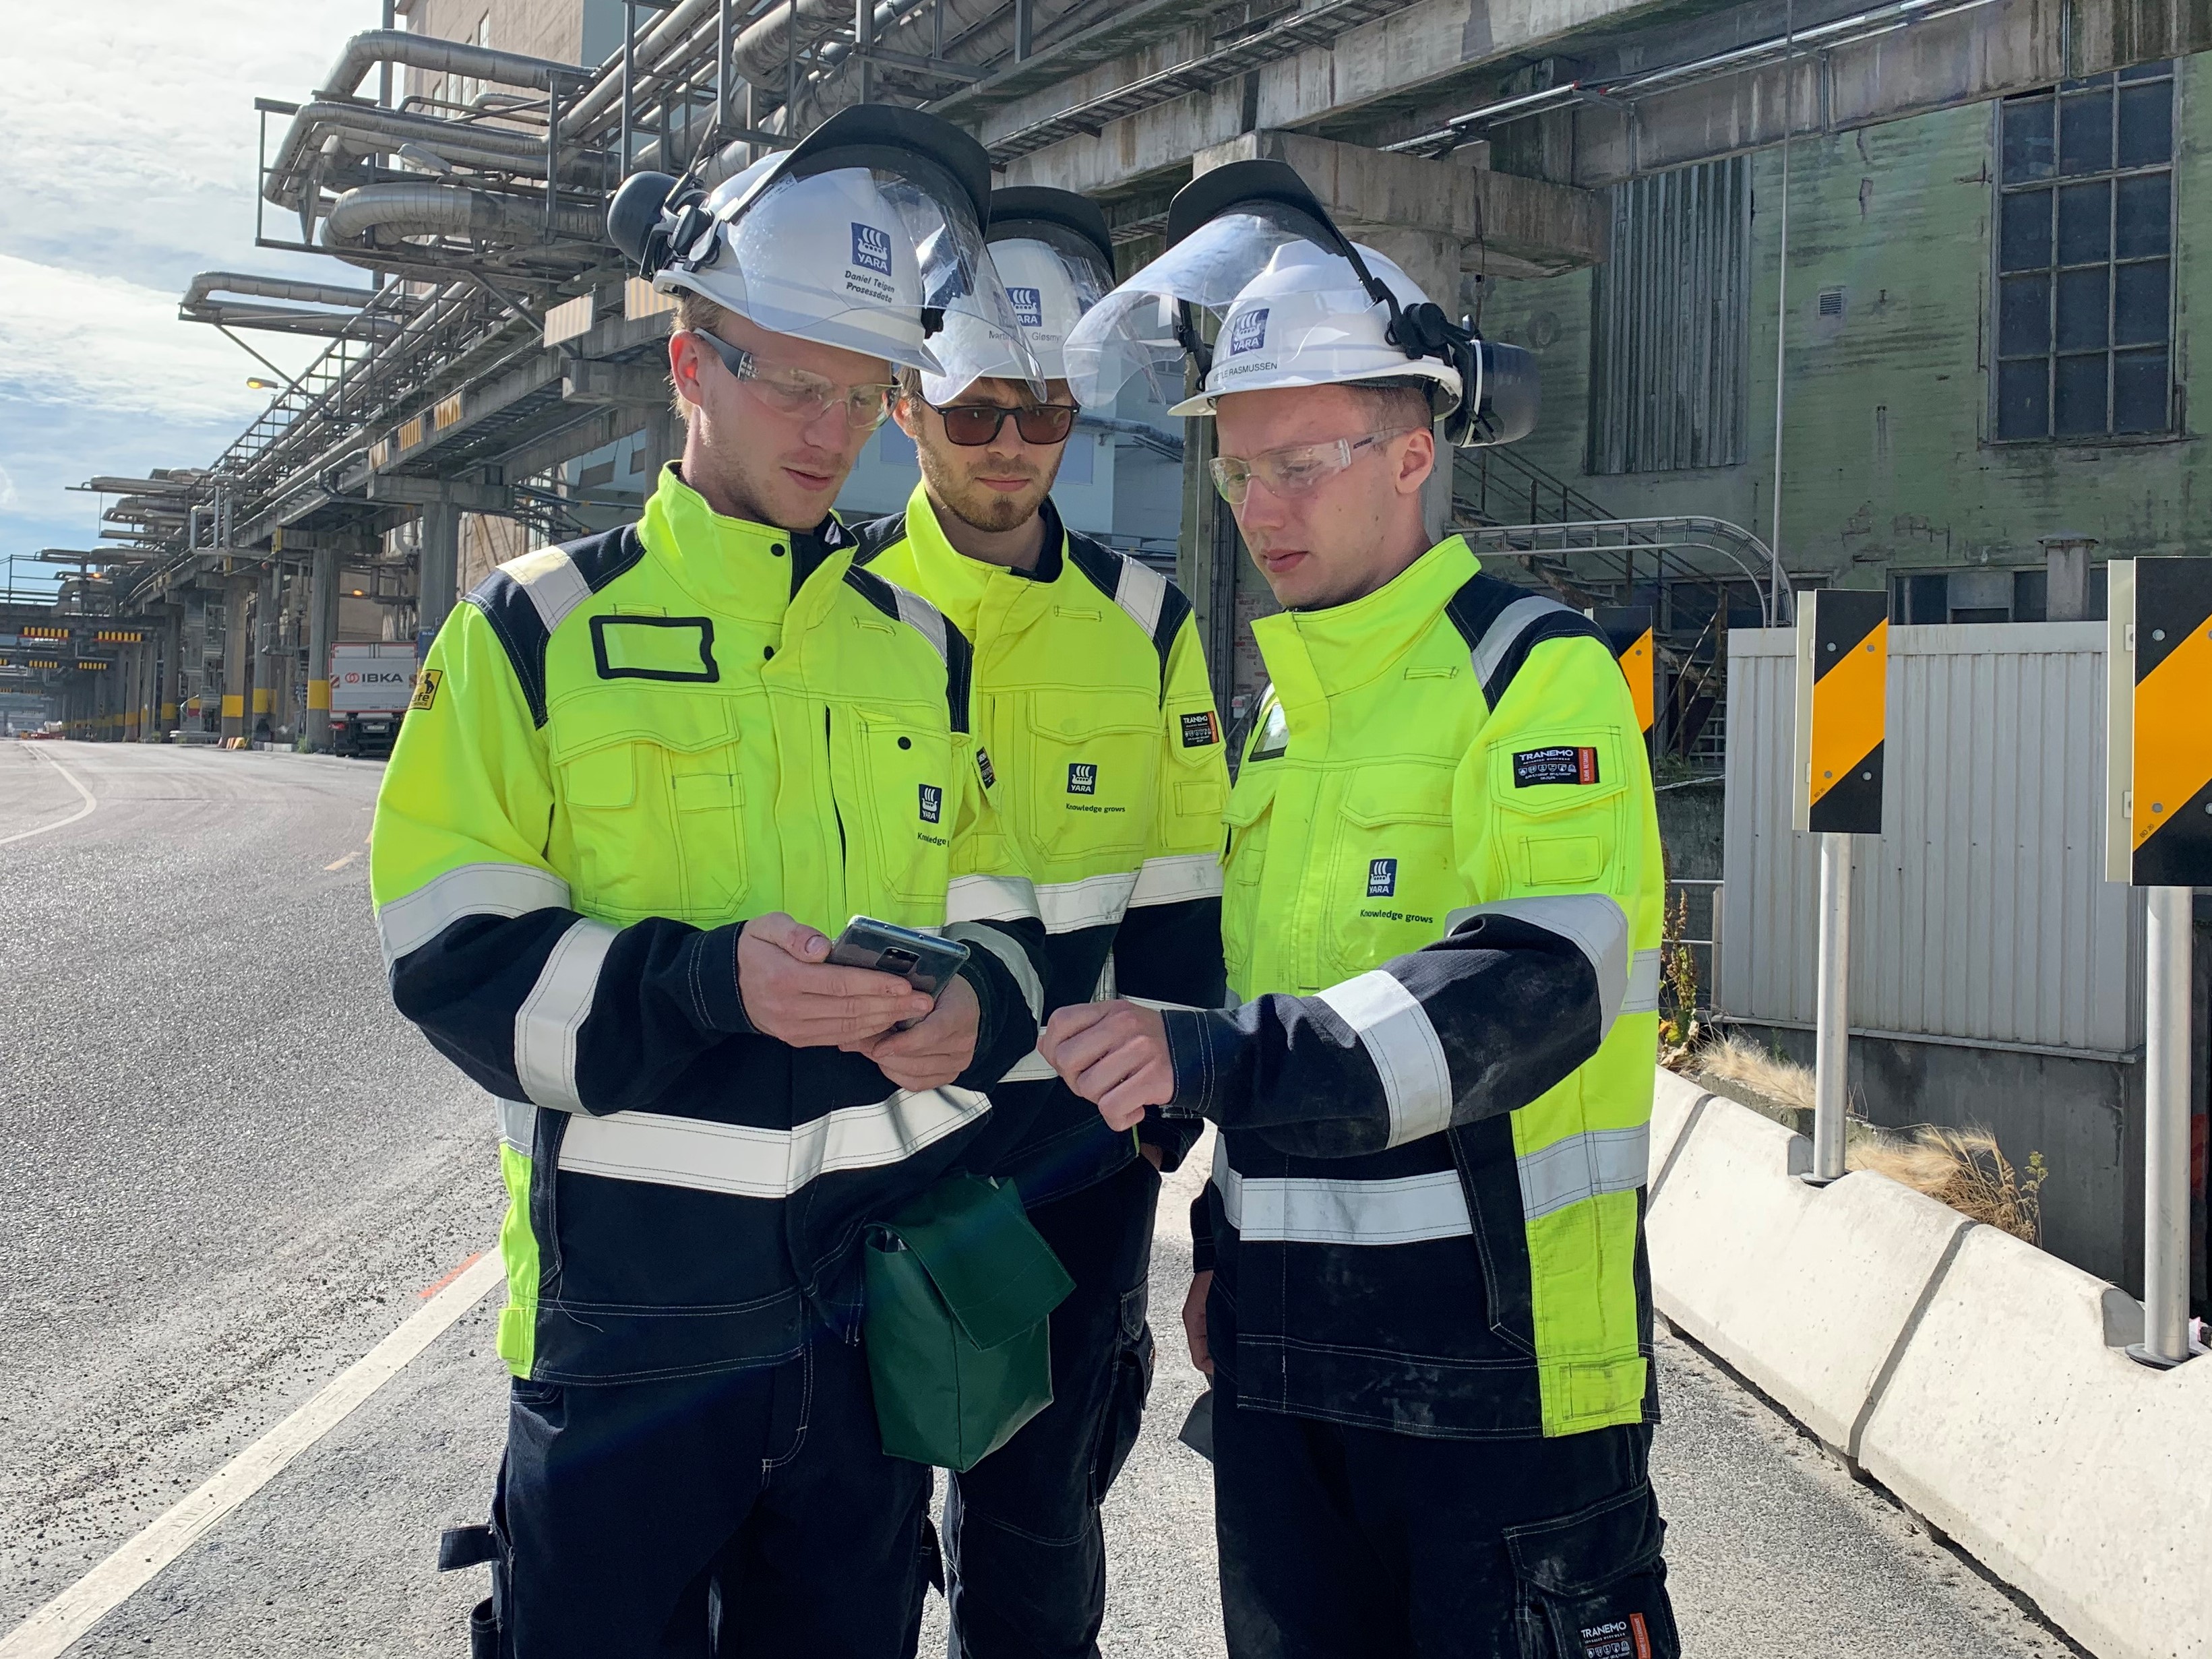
(1671, 310)
(1981, 913)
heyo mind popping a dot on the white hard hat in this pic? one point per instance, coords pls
(1307, 319)
(868, 235)
(1056, 259)
(1298, 304)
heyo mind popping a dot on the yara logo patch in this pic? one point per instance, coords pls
(1249, 332)
(871, 248)
(1029, 306)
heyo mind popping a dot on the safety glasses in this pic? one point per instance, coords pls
(1292, 470)
(795, 392)
(973, 425)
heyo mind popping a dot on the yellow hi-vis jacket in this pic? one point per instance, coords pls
(1442, 907)
(1094, 713)
(619, 750)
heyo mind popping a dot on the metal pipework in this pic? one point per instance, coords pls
(2165, 1130)
(377, 131)
(357, 217)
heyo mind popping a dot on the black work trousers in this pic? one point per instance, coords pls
(1025, 1555)
(1342, 1542)
(752, 1513)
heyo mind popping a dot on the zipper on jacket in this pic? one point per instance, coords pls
(829, 749)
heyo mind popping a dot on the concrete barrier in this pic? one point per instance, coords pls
(1978, 1379)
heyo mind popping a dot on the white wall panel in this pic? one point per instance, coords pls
(1981, 913)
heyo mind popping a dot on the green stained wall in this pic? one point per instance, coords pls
(1886, 461)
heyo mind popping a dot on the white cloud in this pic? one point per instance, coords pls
(132, 141)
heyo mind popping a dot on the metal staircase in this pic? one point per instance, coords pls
(1691, 570)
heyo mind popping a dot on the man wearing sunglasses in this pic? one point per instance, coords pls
(646, 776)
(1092, 704)
(1422, 1296)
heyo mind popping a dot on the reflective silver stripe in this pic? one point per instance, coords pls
(925, 618)
(1594, 921)
(1582, 1166)
(518, 1125)
(974, 935)
(1030, 1068)
(1642, 996)
(1512, 621)
(1395, 1030)
(1173, 878)
(410, 922)
(989, 898)
(1068, 907)
(546, 1024)
(772, 1164)
(1141, 592)
(1298, 1210)
(555, 586)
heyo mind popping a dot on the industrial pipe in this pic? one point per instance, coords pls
(208, 282)
(382, 131)
(378, 216)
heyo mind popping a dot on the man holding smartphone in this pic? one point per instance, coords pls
(1422, 1293)
(646, 775)
(1093, 709)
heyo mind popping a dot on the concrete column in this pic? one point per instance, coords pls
(133, 670)
(322, 634)
(665, 432)
(1206, 553)
(167, 694)
(2067, 588)
(236, 637)
(439, 566)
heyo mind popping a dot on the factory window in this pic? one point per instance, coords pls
(1670, 322)
(2085, 243)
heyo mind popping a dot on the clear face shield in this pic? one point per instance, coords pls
(1051, 278)
(1145, 326)
(882, 256)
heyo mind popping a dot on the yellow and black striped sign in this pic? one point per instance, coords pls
(1628, 631)
(2161, 721)
(39, 631)
(1843, 694)
(118, 637)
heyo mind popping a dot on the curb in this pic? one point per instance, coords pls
(1978, 1379)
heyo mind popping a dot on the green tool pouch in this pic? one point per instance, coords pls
(959, 1287)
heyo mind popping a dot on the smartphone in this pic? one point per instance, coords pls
(922, 960)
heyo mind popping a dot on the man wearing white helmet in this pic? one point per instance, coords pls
(647, 775)
(1092, 703)
(1422, 1295)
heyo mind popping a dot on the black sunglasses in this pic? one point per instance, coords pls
(973, 425)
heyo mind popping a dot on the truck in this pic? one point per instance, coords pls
(370, 687)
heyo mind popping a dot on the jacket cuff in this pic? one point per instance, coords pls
(1174, 1136)
(1195, 1037)
(714, 994)
(1005, 1030)
(1201, 1235)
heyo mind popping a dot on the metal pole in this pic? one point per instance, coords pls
(2165, 1132)
(628, 80)
(1781, 307)
(1832, 1046)
(864, 17)
(384, 69)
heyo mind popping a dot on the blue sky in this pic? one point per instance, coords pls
(130, 166)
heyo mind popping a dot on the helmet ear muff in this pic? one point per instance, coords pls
(635, 218)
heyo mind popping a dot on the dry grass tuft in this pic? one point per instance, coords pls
(1965, 1170)
(1731, 1059)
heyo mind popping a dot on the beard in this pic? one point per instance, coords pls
(980, 508)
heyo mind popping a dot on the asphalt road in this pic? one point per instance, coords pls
(227, 1168)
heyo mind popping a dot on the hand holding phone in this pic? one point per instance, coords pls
(922, 960)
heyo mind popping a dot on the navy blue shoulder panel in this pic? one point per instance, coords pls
(1501, 624)
(514, 617)
(1104, 569)
(877, 536)
(959, 655)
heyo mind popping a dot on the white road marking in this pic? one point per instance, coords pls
(83, 811)
(342, 863)
(54, 1627)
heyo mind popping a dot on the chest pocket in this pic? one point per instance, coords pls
(1552, 836)
(1392, 875)
(893, 773)
(1091, 773)
(1244, 860)
(652, 795)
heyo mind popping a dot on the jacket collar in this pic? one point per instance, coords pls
(1315, 654)
(732, 566)
(955, 584)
